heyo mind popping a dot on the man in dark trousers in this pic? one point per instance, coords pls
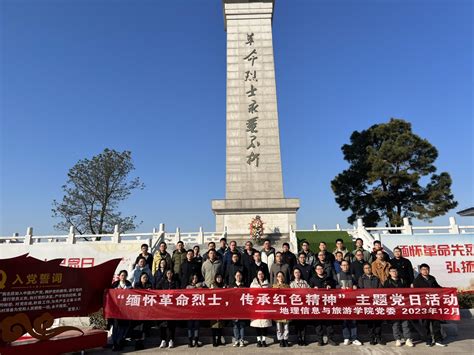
(432, 326)
(403, 265)
(305, 269)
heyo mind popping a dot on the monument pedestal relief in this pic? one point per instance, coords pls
(254, 183)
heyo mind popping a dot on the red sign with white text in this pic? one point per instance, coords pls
(290, 303)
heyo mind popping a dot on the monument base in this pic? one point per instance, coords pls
(278, 214)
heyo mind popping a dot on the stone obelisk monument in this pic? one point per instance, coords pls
(254, 184)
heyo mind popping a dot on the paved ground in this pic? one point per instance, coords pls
(463, 343)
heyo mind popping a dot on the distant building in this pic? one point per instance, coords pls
(468, 212)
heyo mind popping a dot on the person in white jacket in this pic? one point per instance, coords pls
(260, 325)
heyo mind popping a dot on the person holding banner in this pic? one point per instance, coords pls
(217, 325)
(167, 327)
(403, 265)
(367, 281)
(260, 325)
(394, 281)
(282, 325)
(238, 325)
(432, 326)
(120, 326)
(193, 324)
(300, 325)
(345, 280)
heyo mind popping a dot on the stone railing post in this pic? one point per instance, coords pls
(116, 237)
(315, 227)
(177, 236)
(338, 227)
(407, 228)
(224, 233)
(29, 236)
(71, 237)
(453, 227)
(201, 236)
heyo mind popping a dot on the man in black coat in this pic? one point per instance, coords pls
(232, 268)
(357, 266)
(403, 265)
(256, 266)
(189, 267)
(320, 279)
(305, 269)
(246, 259)
(433, 327)
(288, 257)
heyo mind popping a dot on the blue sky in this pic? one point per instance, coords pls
(148, 76)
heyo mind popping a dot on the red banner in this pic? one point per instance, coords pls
(257, 303)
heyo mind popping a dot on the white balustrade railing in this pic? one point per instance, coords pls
(368, 234)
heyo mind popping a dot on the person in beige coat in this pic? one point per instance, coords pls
(380, 267)
(260, 325)
(283, 325)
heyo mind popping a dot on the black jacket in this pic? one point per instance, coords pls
(164, 284)
(254, 269)
(322, 282)
(230, 271)
(306, 271)
(247, 259)
(139, 285)
(189, 268)
(421, 282)
(391, 283)
(357, 269)
(290, 259)
(369, 282)
(149, 260)
(405, 269)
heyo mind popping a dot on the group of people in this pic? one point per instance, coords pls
(229, 267)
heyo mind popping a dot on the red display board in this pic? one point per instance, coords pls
(34, 292)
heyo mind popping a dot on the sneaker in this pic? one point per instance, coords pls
(347, 341)
(259, 344)
(241, 343)
(409, 343)
(163, 344)
(171, 344)
(398, 342)
(439, 343)
(236, 344)
(356, 342)
(264, 344)
(429, 343)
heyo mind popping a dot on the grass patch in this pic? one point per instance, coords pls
(315, 237)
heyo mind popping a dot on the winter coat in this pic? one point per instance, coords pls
(148, 258)
(306, 271)
(157, 259)
(386, 257)
(260, 323)
(230, 271)
(137, 272)
(366, 253)
(254, 269)
(345, 279)
(210, 269)
(164, 284)
(177, 259)
(329, 269)
(380, 270)
(247, 260)
(290, 259)
(276, 268)
(357, 269)
(398, 283)
(158, 276)
(421, 282)
(405, 269)
(140, 286)
(322, 282)
(311, 259)
(369, 282)
(268, 257)
(188, 268)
